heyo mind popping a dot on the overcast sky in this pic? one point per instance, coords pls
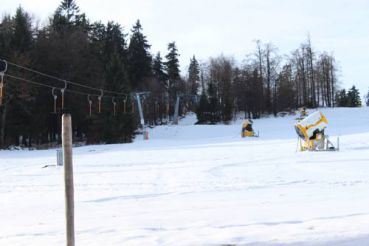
(210, 27)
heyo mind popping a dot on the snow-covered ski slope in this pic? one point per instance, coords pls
(197, 185)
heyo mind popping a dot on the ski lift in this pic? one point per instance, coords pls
(55, 97)
(90, 104)
(99, 98)
(62, 92)
(140, 98)
(186, 98)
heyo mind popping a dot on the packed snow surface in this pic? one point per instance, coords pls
(197, 185)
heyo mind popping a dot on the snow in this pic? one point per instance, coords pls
(197, 185)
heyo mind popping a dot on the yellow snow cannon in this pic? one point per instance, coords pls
(247, 130)
(303, 114)
(311, 133)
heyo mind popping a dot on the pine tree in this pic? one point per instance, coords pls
(68, 9)
(17, 105)
(68, 48)
(158, 69)
(172, 63)
(67, 16)
(139, 58)
(115, 58)
(194, 76)
(6, 36)
(354, 97)
(109, 45)
(213, 110)
(6, 33)
(202, 111)
(115, 128)
(22, 37)
(342, 99)
(172, 69)
(157, 102)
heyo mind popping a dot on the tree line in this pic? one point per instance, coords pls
(94, 54)
(106, 56)
(268, 83)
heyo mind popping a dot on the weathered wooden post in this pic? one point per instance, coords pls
(68, 177)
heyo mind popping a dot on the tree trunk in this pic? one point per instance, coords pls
(332, 82)
(3, 125)
(268, 93)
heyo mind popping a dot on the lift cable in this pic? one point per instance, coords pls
(53, 87)
(63, 80)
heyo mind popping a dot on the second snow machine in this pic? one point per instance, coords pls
(311, 133)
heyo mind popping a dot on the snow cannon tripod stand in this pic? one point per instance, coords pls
(311, 135)
(319, 143)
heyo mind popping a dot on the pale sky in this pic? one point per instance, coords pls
(208, 28)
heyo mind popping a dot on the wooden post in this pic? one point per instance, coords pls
(68, 177)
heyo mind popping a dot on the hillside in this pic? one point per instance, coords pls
(197, 185)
